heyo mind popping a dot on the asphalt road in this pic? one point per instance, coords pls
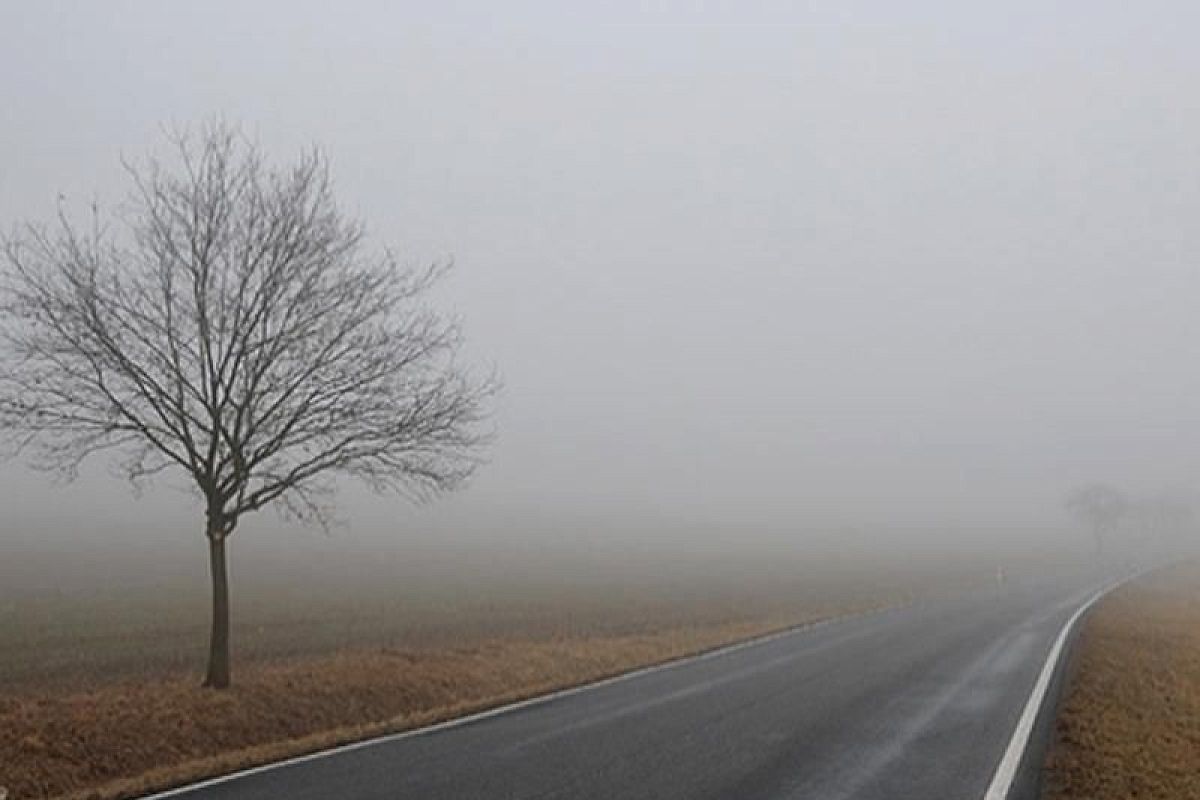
(917, 702)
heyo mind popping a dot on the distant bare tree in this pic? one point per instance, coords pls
(1101, 507)
(232, 325)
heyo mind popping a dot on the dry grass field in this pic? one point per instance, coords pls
(125, 630)
(1129, 726)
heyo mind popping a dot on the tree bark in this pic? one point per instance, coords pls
(218, 646)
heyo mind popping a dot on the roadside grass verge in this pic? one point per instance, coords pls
(1129, 724)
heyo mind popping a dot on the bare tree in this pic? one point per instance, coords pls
(230, 323)
(1101, 507)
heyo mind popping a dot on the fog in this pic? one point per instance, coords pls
(772, 275)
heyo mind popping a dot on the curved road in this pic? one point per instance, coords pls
(918, 702)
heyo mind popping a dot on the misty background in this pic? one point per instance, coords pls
(815, 278)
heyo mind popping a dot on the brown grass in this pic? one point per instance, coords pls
(123, 629)
(1130, 723)
(126, 738)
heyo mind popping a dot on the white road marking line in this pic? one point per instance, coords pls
(1006, 771)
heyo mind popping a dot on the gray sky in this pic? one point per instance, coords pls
(826, 261)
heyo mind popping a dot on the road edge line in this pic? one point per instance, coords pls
(1007, 770)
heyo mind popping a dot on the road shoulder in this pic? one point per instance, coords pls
(1129, 722)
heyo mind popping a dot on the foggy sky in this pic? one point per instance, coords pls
(863, 262)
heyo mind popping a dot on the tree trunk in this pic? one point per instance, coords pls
(218, 647)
